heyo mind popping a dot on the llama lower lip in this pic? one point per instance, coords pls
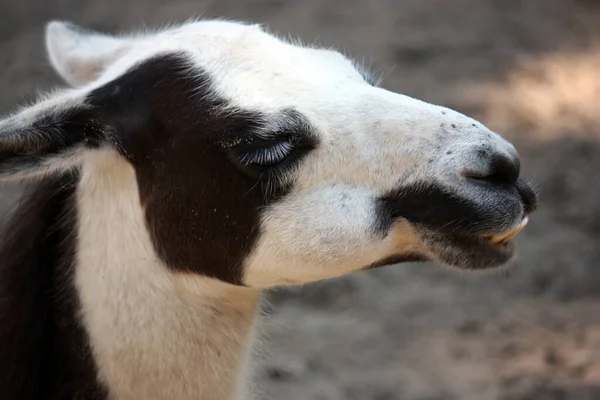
(500, 251)
(471, 252)
(506, 237)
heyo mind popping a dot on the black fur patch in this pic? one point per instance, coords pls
(432, 206)
(429, 205)
(44, 352)
(201, 208)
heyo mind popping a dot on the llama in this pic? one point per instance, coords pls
(185, 171)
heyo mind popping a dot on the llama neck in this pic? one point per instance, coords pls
(155, 334)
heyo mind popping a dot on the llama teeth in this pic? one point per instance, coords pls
(504, 238)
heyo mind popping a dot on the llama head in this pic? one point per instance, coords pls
(261, 162)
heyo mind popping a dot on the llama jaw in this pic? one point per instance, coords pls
(506, 237)
(471, 252)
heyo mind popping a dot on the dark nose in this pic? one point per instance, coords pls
(497, 169)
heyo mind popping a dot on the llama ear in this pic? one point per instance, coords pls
(48, 137)
(80, 55)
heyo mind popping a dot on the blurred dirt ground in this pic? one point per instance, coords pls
(529, 69)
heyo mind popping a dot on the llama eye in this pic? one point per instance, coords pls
(262, 156)
(266, 156)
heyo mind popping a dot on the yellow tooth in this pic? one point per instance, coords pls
(509, 235)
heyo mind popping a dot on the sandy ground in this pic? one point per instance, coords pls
(531, 70)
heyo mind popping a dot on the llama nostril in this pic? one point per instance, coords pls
(498, 170)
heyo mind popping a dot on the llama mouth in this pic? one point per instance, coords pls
(472, 252)
(490, 250)
(475, 252)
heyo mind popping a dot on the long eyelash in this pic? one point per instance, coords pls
(267, 156)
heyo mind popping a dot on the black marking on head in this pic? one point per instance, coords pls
(430, 205)
(450, 223)
(435, 207)
(202, 209)
(44, 350)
